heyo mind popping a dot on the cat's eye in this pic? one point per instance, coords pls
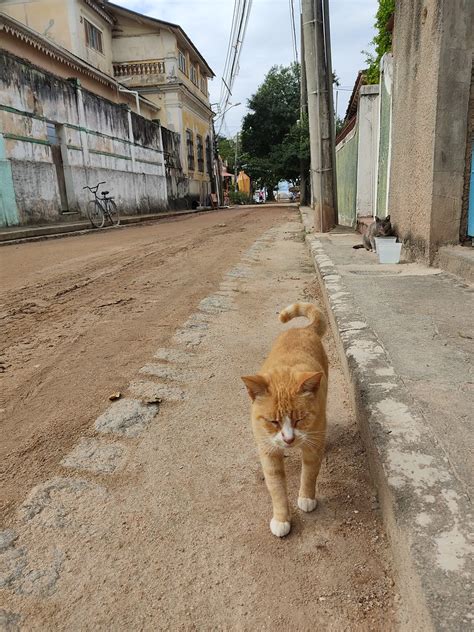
(275, 422)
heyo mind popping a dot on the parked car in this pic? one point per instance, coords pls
(283, 195)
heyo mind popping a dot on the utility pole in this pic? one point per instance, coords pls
(319, 82)
(332, 112)
(304, 166)
(235, 162)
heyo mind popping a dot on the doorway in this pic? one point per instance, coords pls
(54, 134)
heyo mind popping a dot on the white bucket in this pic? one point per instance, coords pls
(388, 249)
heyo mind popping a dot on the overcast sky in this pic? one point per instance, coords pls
(267, 42)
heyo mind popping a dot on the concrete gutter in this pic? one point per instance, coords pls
(426, 511)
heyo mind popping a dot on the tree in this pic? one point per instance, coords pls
(270, 136)
(227, 150)
(382, 40)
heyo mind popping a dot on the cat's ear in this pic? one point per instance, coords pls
(387, 219)
(309, 382)
(377, 219)
(256, 385)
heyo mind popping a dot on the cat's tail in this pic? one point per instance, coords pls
(308, 310)
(358, 246)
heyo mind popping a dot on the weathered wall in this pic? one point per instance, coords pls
(19, 48)
(177, 182)
(346, 171)
(99, 140)
(432, 50)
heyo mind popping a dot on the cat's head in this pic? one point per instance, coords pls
(285, 407)
(384, 226)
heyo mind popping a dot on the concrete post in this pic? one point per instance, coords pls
(367, 150)
(131, 138)
(309, 38)
(304, 167)
(320, 117)
(163, 169)
(82, 124)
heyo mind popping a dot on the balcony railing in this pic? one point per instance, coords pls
(139, 68)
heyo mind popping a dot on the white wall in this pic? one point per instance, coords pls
(368, 120)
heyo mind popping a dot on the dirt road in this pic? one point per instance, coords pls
(146, 516)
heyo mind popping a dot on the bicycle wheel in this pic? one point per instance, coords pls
(95, 213)
(113, 213)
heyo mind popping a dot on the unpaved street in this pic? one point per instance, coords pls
(139, 515)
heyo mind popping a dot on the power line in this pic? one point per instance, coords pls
(229, 49)
(232, 70)
(293, 31)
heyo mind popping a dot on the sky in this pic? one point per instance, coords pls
(267, 42)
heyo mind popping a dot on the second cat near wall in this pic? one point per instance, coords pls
(378, 228)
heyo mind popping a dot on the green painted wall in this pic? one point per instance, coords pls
(384, 148)
(346, 171)
(8, 208)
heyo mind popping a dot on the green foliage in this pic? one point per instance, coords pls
(293, 149)
(382, 40)
(227, 150)
(339, 124)
(270, 134)
(239, 197)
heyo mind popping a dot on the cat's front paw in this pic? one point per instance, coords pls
(280, 529)
(307, 504)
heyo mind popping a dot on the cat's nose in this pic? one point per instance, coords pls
(288, 440)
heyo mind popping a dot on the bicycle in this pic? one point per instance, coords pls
(99, 209)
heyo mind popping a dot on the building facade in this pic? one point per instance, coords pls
(158, 59)
(73, 114)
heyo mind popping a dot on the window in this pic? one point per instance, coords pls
(194, 74)
(203, 84)
(190, 148)
(93, 36)
(182, 62)
(209, 155)
(200, 153)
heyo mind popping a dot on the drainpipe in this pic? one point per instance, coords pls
(137, 101)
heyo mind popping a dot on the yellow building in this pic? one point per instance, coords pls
(158, 59)
(152, 65)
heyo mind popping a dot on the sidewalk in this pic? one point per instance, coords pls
(408, 337)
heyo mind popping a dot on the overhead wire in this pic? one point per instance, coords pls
(293, 31)
(243, 10)
(237, 4)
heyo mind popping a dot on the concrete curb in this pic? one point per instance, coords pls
(424, 506)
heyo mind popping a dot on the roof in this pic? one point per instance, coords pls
(156, 22)
(50, 48)
(354, 100)
(55, 51)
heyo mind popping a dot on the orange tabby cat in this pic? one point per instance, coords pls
(289, 410)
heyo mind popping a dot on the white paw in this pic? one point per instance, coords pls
(280, 529)
(307, 504)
